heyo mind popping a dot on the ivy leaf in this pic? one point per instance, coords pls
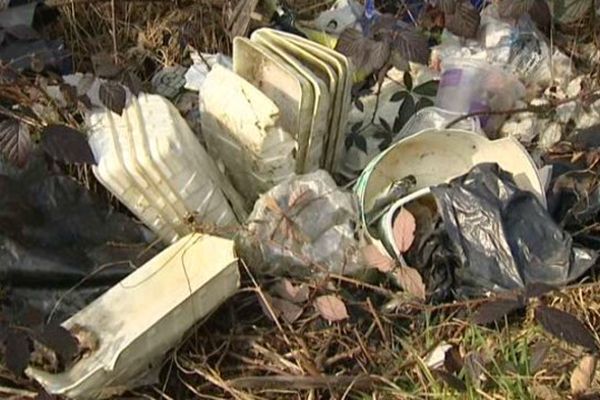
(15, 142)
(385, 125)
(361, 143)
(66, 144)
(428, 88)
(423, 103)
(408, 81)
(17, 352)
(398, 96)
(565, 326)
(113, 96)
(495, 311)
(407, 109)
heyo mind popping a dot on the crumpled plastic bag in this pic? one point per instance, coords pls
(503, 236)
(58, 242)
(303, 226)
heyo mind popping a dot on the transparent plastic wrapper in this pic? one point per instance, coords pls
(468, 86)
(306, 225)
(435, 117)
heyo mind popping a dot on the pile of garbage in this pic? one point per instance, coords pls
(456, 141)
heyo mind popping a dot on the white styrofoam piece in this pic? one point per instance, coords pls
(138, 320)
(150, 159)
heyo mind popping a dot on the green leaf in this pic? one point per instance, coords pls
(349, 141)
(397, 124)
(356, 127)
(408, 82)
(385, 124)
(398, 96)
(406, 110)
(361, 143)
(424, 102)
(428, 88)
(359, 105)
(385, 143)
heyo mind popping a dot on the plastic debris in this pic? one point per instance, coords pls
(137, 321)
(241, 126)
(169, 81)
(502, 236)
(150, 159)
(304, 226)
(203, 63)
(54, 234)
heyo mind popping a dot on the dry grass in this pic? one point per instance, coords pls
(243, 351)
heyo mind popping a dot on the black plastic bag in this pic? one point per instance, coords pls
(503, 237)
(59, 243)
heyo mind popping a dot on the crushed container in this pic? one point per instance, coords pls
(138, 320)
(151, 161)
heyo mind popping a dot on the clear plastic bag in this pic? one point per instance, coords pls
(306, 225)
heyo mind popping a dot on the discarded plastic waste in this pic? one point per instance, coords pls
(468, 86)
(503, 236)
(53, 235)
(435, 156)
(305, 225)
(152, 162)
(141, 318)
(241, 126)
(196, 74)
(297, 75)
(438, 118)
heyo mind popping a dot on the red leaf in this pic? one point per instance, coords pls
(495, 310)
(411, 282)
(113, 96)
(376, 259)
(66, 144)
(404, 226)
(332, 308)
(15, 142)
(565, 326)
(16, 355)
(286, 290)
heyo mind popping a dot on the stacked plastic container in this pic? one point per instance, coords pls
(151, 161)
(241, 127)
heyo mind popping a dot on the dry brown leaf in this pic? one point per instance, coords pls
(374, 258)
(411, 282)
(332, 308)
(581, 379)
(286, 290)
(404, 226)
(286, 309)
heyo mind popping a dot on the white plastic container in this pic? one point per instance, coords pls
(138, 320)
(241, 126)
(152, 162)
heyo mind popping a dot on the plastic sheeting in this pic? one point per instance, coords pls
(58, 242)
(305, 225)
(495, 237)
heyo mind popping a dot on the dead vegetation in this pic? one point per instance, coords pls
(269, 342)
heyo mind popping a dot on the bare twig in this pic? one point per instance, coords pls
(538, 109)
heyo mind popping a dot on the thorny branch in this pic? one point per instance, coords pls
(585, 97)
